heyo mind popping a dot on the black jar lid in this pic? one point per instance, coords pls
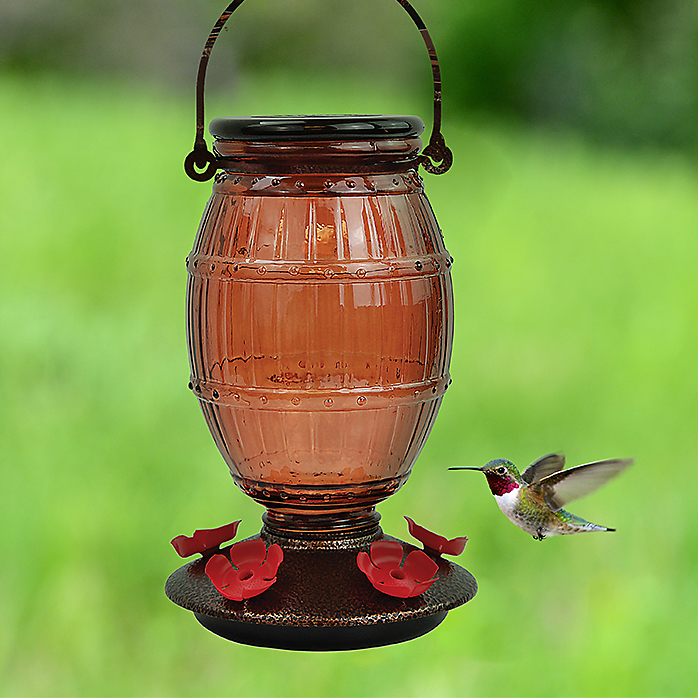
(356, 127)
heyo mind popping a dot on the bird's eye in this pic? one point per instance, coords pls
(501, 470)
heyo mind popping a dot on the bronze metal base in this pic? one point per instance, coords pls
(321, 600)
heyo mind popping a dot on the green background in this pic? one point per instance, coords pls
(576, 323)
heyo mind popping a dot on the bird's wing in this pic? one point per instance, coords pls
(544, 466)
(560, 488)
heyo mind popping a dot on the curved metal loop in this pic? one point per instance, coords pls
(201, 164)
(436, 152)
(436, 158)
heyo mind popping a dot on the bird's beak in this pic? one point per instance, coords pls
(467, 467)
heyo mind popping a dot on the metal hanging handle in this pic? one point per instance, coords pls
(201, 164)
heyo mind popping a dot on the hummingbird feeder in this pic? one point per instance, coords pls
(319, 328)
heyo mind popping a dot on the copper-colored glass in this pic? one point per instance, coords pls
(319, 322)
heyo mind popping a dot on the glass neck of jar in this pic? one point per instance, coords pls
(301, 157)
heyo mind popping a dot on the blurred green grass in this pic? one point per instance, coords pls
(576, 324)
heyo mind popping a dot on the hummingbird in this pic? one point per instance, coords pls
(533, 500)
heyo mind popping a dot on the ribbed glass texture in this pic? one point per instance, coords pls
(319, 324)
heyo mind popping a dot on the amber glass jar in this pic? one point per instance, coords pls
(319, 314)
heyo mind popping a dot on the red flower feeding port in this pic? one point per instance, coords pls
(204, 540)
(434, 542)
(319, 326)
(253, 570)
(385, 569)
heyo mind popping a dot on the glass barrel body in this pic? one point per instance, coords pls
(319, 324)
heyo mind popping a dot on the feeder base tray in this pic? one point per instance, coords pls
(321, 601)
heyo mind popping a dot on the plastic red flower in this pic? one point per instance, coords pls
(252, 572)
(204, 540)
(435, 542)
(386, 572)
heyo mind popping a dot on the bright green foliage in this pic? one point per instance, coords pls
(576, 327)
